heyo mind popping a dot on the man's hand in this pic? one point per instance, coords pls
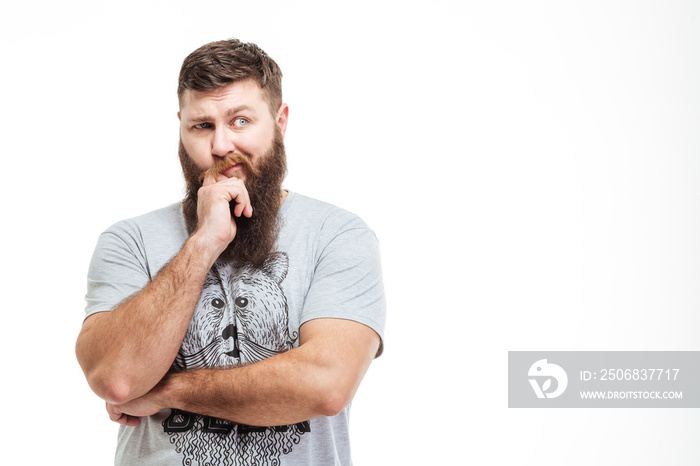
(117, 416)
(130, 413)
(215, 222)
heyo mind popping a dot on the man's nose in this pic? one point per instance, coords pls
(223, 144)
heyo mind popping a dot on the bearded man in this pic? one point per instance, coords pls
(233, 327)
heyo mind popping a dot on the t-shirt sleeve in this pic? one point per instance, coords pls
(347, 281)
(118, 269)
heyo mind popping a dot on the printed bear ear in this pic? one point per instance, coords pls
(276, 266)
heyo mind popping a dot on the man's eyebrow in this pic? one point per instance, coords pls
(199, 119)
(239, 109)
(231, 112)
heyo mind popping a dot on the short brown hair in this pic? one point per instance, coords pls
(221, 63)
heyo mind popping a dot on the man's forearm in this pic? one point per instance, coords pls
(277, 391)
(319, 378)
(124, 353)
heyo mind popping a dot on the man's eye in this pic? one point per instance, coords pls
(240, 122)
(202, 126)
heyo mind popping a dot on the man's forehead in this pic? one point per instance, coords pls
(240, 93)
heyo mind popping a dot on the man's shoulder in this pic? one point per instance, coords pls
(322, 221)
(325, 213)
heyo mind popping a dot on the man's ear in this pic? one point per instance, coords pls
(178, 117)
(282, 118)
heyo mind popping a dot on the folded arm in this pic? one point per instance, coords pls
(126, 352)
(319, 378)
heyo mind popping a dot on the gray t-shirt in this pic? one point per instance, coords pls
(325, 265)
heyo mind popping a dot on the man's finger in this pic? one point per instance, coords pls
(131, 421)
(126, 420)
(120, 418)
(243, 209)
(209, 178)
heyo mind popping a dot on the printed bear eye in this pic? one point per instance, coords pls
(217, 303)
(241, 302)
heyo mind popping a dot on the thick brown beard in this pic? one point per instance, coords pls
(255, 236)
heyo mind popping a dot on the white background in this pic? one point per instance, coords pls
(531, 168)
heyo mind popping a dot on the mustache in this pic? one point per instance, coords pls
(221, 164)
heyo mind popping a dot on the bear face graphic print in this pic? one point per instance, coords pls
(242, 317)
